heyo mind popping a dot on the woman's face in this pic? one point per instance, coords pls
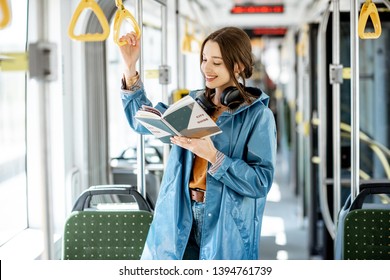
(213, 67)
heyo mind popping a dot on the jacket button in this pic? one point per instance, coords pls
(209, 214)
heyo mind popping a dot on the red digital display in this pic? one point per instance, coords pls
(265, 9)
(269, 31)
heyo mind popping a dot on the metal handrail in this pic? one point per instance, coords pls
(141, 179)
(335, 81)
(387, 3)
(164, 61)
(380, 150)
(321, 39)
(355, 101)
(377, 150)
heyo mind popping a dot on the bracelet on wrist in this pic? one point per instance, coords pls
(132, 80)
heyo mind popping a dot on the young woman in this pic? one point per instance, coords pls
(213, 192)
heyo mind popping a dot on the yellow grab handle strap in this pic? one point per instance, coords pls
(186, 44)
(89, 4)
(369, 9)
(5, 12)
(120, 15)
(188, 39)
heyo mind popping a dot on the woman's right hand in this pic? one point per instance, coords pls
(130, 51)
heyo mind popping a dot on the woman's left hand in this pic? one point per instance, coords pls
(202, 147)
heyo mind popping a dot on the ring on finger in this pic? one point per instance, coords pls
(189, 140)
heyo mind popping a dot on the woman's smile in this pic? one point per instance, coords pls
(209, 79)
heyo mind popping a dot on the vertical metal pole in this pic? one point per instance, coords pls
(141, 140)
(179, 57)
(164, 61)
(355, 120)
(336, 110)
(42, 14)
(164, 51)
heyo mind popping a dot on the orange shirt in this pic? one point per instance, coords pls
(199, 172)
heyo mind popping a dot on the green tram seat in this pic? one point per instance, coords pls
(364, 224)
(107, 222)
(367, 235)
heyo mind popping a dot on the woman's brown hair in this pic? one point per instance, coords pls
(236, 49)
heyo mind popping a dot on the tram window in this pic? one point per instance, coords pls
(193, 78)
(13, 186)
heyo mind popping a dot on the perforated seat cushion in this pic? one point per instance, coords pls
(108, 235)
(367, 235)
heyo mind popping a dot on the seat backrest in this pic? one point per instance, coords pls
(365, 223)
(367, 234)
(106, 235)
(128, 192)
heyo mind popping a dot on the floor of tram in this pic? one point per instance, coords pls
(284, 231)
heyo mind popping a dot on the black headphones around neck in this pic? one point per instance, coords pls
(230, 97)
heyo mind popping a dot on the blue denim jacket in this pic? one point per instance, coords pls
(236, 191)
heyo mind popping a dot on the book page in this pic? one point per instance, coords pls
(185, 101)
(150, 109)
(158, 128)
(199, 118)
(190, 120)
(147, 115)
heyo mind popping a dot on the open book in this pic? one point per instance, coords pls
(183, 118)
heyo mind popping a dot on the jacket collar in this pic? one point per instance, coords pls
(260, 96)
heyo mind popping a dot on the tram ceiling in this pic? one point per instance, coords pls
(286, 13)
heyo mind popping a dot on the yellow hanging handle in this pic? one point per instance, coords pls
(120, 15)
(188, 39)
(5, 11)
(186, 44)
(89, 4)
(369, 9)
